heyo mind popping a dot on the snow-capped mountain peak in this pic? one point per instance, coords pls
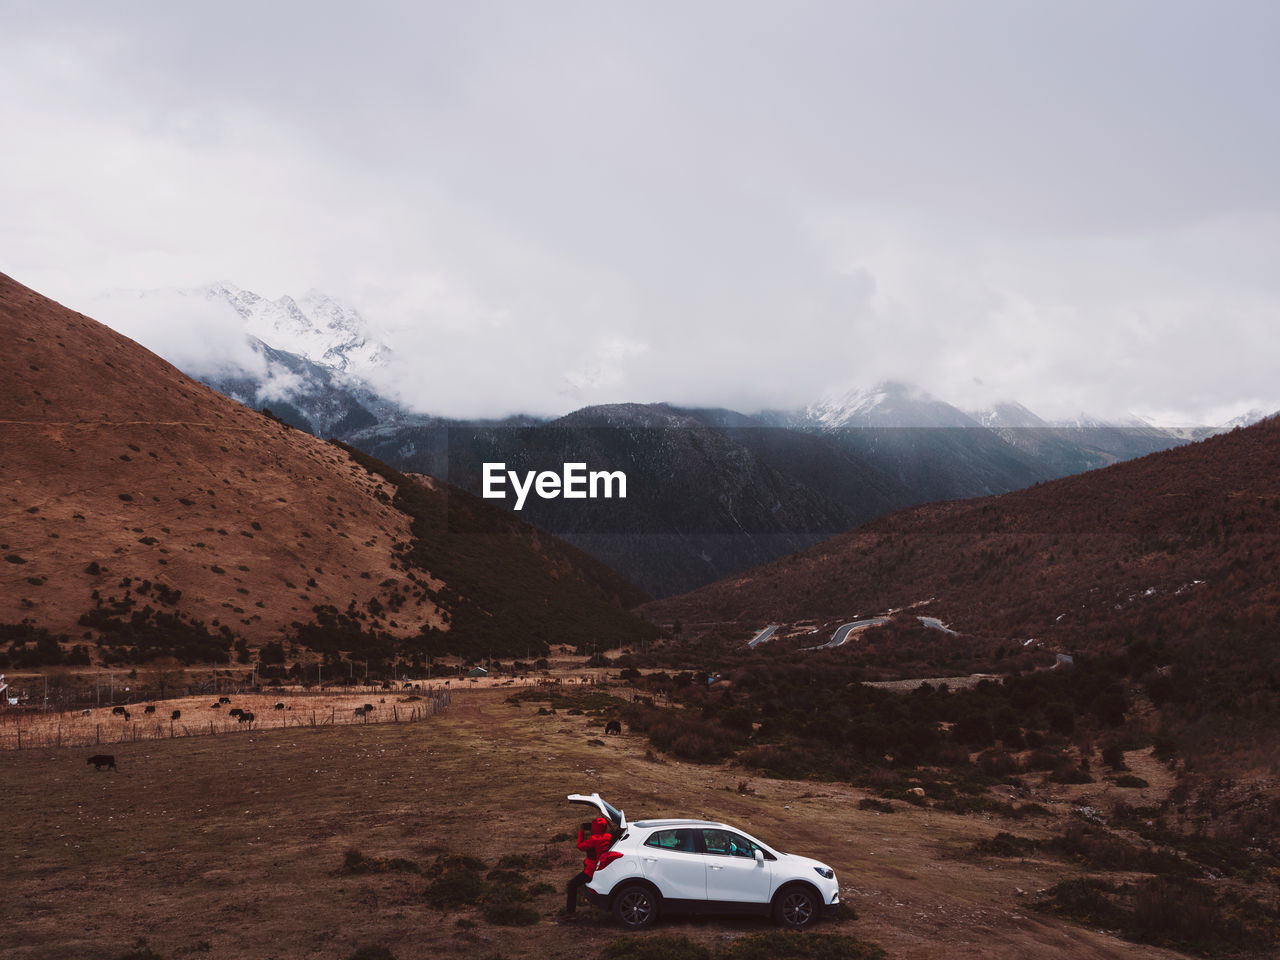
(887, 404)
(1008, 415)
(317, 327)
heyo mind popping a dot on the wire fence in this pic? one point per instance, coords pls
(23, 730)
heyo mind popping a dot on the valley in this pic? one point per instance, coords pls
(223, 846)
(1038, 723)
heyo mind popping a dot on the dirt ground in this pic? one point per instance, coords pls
(232, 847)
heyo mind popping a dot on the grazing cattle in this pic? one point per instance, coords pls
(235, 711)
(613, 726)
(917, 792)
(245, 717)
(224, 699)
(215, 706)
(150, 709)
(176, 715)
(368, 708)
(117, 711)
(85, 712)
(100, 760)
(126, 714)
(279, 706)
(358, 712)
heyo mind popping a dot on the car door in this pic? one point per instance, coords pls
(734, 874)
(604, 807)
(670, 859)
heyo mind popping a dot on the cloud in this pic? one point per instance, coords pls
(1074, 204)
(195, 334)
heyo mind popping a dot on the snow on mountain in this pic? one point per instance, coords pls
(1247, 419)
(1006, 416)
(887, 404)
(316, 327)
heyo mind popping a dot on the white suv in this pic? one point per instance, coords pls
(699, 866)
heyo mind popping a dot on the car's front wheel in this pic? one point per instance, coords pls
(635, 906)
(796, 907)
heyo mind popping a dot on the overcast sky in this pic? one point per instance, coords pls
(542, 204)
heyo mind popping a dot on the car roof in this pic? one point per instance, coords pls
(647, 824)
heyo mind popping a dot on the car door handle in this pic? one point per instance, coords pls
(710, 867)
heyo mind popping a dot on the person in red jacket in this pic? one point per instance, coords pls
(594, 846)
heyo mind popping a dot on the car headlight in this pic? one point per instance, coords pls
(825, 872)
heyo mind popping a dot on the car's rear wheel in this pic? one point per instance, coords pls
(635, 906)
(796, 907)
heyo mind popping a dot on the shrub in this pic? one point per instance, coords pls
(1086, 901)
(781, 763)
(372, 953)
(356, 862)
(1070, 774)
(508, 913)
(879, 806)
(976, 805)
(1176, 912)
(1113, 757)
(515, 861)
(997, 763)
(140, 952)
(655, 948)
(457, 882)
(1004, 845)
(1129, 780)
(1043, 759)
(1105, 851)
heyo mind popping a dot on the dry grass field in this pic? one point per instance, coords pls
(101, 728)
(237, 846)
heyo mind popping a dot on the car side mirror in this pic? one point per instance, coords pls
(759, 856)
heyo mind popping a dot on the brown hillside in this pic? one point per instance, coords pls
(1177, 545)
(110, 456)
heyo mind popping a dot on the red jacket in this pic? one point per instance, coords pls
(595, 845)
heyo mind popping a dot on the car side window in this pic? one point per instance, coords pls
(681, 840)
(725, 843)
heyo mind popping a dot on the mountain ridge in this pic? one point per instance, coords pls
(147, 515)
